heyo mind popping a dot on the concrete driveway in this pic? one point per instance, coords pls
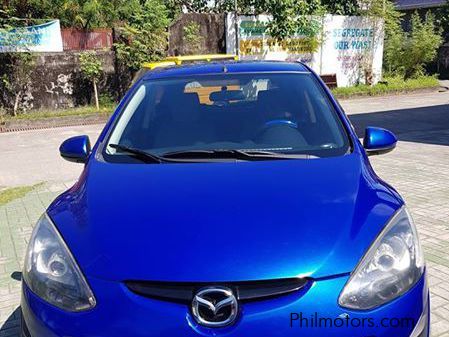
(418, 168)
(30, 157)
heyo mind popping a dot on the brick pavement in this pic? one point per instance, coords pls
(17, 219)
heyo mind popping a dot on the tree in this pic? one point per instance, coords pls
(91, 69)
(144, 36)
(407, 53)
(16, 70)
(16, 67)
(341, 7)
(393, 42)
(84, 14)
(420, 45)
(442, 19)
(292, 16)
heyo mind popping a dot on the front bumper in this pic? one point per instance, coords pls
(121, 313)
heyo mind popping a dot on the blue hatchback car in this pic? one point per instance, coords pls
(227, 199)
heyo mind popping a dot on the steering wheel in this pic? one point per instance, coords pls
(274, 124)
(277, 122)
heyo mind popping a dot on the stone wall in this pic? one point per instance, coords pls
(211, 37)
(57, 82)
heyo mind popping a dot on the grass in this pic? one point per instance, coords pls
(390, 85)
(78, 111)
(14, 193)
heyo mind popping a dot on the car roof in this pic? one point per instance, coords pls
(190, 69)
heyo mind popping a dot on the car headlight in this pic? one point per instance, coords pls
(52, 273)
(392, 265)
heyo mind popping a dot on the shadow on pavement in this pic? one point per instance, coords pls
(428, 125)
(11, 327)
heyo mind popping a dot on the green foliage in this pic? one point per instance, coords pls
(341, 7)
(289, 16)
(90, 65)
(407, 53)
(106, 100)
(393, 50)
(292, 16)
(422, 45)
(15, 67)
(91, 69)
(442, 19)
(15, 79)
(384, 9)
(144, 36)
(243, 6)
(192, 37)
(390, 85)
(197, 6)
(73, 13)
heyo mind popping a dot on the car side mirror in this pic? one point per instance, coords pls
(378, 141)
(76, 149)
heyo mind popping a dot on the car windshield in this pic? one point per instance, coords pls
(276, 113)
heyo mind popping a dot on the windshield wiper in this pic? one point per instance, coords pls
(139, 154)
(233, 154)
(180, 156)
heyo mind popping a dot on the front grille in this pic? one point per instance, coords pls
(245, 291)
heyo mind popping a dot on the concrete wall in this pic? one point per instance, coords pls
(57, 82)
(211, 40)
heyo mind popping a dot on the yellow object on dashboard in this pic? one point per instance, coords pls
(178, 60)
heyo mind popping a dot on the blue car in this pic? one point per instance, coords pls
(227, 199)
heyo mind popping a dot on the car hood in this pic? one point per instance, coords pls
(212, 222)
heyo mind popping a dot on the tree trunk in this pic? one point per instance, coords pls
(16, 103)
(97, 104)
(409, 74)
(369, 77)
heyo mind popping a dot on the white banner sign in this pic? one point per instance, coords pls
(350, 47)
(39, 38)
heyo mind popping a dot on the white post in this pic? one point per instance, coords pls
(236, 17)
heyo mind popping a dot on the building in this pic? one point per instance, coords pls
(413, 5)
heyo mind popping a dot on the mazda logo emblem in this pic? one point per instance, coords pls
(215, 307)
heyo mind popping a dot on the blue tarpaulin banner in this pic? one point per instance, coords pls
(40, 38)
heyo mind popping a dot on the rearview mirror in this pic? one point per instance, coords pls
(378, 141)
(76, 149)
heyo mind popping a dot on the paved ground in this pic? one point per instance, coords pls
(418, 168)
(30, 157)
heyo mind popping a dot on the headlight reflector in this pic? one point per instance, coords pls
(392, 265)
(52, 273)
